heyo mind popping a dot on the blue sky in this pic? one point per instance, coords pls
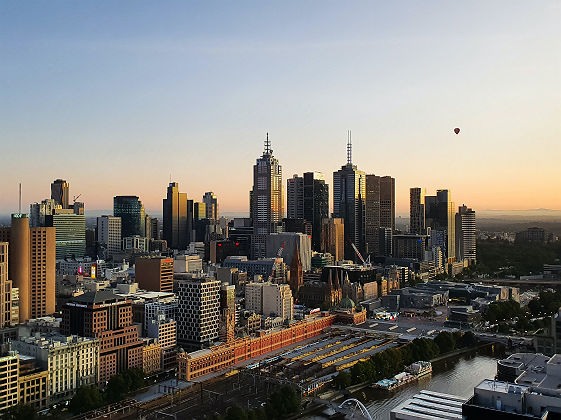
(116, 96)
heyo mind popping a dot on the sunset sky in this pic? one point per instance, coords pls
(116, 96)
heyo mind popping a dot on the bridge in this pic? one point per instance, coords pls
(351, 408)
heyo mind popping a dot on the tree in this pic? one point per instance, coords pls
(343, 380)
(235, 412)
(20, 412)
(445, 341)
(116, 388)
(86, 398)
(468, 339)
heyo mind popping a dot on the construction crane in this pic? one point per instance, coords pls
(76, 197)
(364, 263)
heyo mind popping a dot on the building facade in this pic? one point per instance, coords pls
(270, 299)
(70, 234)
(198, 309)
(31, 266)
(107, 317)
(177, 218)
(59, 192)
(379, 212)
(333, 238)
(211, 206)
(70, 361)
(417, 211)
(465, 235)
(266, 200)
(154, 273)
(131, 211)
(349, 194)
(440, 217)
(109, 234)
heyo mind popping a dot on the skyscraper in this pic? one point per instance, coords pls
(333, 238)
(59, 192)
(131, 211)
(5, 289)
(440, 217)
(417, 211)
(266, 200)
(70, 234)
(308, 199)
(295, 197)
(31, 266)
(177, 229)
(38, 212)
(109, 234)
(349, 193)
(379, 213)
(465, 235)
(211, 205)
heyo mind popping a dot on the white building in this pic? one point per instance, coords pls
(198, 309)
(109, 234)
(135, 244)
(270, 299)
(71, 361)
(187, 264)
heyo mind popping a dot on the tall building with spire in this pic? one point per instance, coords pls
(349, 194)
(266, 200)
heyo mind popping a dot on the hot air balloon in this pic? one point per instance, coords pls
(456, 130)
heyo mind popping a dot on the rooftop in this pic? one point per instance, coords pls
(430, 405)
(100, 296)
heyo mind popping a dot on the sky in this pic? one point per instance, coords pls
(117, 97)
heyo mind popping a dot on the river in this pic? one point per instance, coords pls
(455, 376)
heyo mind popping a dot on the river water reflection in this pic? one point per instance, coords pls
(456, 376)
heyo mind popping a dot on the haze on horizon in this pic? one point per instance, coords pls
(115, 97)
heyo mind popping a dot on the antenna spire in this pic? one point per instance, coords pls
(349, 149)
(19, 211)
(267, 145)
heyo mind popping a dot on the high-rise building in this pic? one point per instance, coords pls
(154, 273)
(108, 317)
(465, 235)
(287, 243)
(266, 203)
(6, 309)
(177, 224)
(131, 211)
(227, 313)
(440, 217)
(211, 206)
(70, 234)
(333, 238)
(109, 234)
(308, 199)
(31, 266)
(38, 211)
(198, 309)
(417, 211)
(349, 194)
(270, 299)
(295, 197)
(379, 212)
(59, 192)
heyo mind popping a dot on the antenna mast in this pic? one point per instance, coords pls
(19, 198)
(349, 149)
(267, 145)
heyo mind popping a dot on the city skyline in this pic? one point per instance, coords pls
(87, 84)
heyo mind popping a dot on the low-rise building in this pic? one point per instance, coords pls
(151, 356)
(70, 361)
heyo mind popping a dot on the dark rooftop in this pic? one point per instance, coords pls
(99, 296)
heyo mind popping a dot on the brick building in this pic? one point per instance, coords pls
(108, 317)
